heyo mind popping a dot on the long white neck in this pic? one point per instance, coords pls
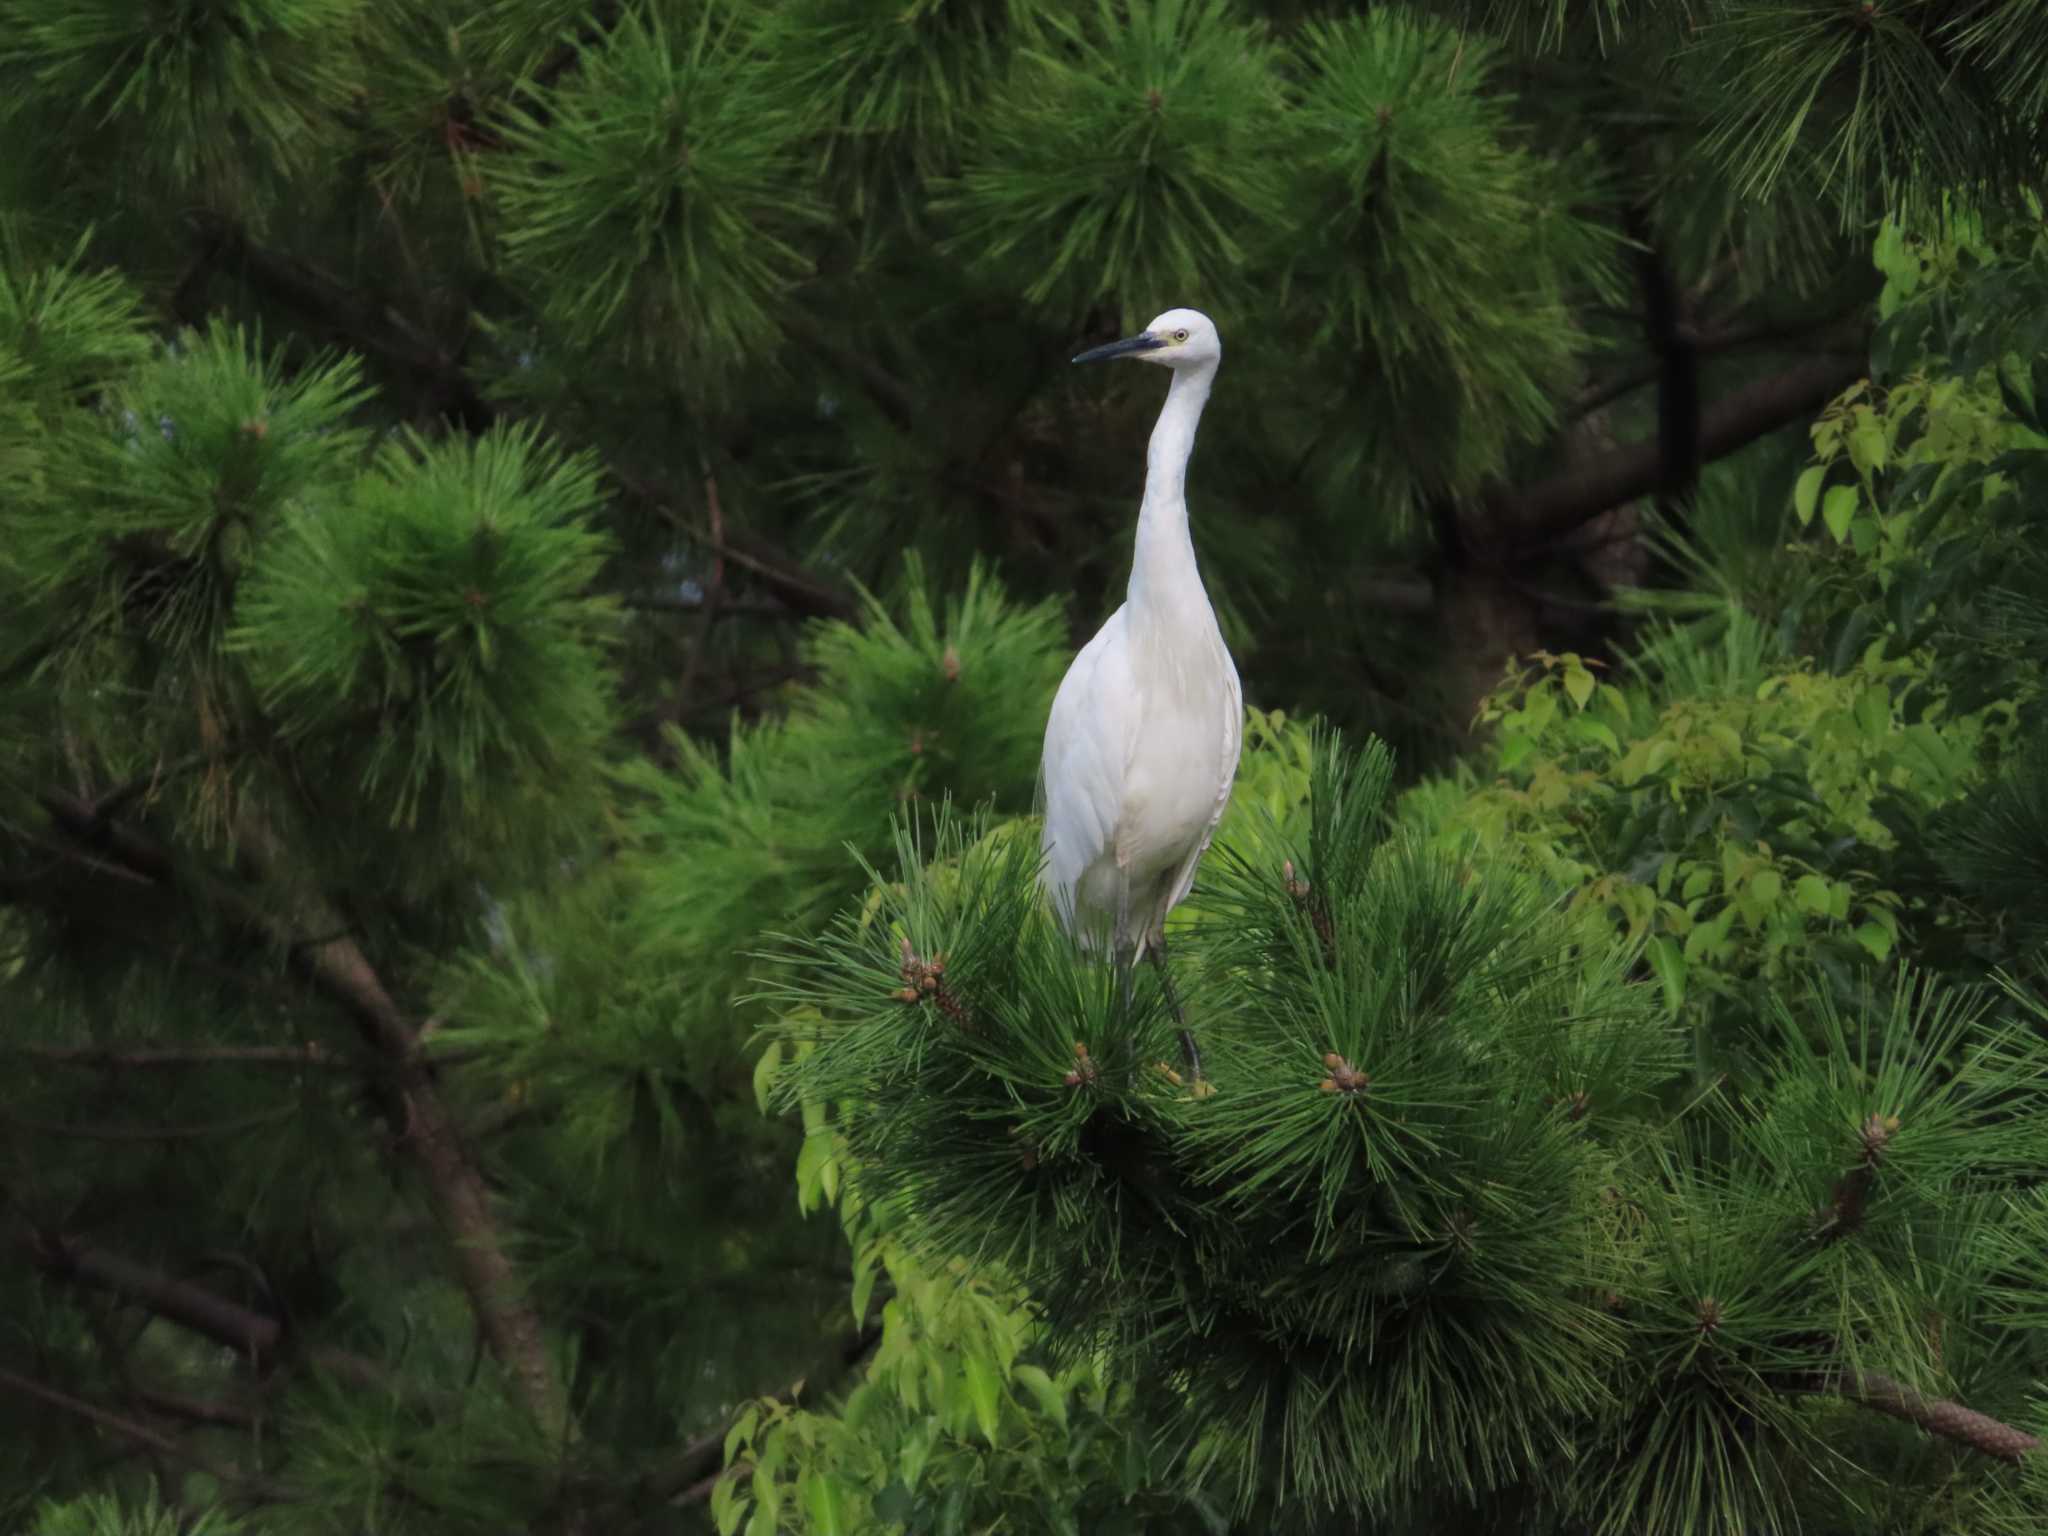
(1164, 582)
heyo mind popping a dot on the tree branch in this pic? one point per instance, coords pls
(311, 1054)
(251, 1334)
(1533, 516)
(348, 317)
(142, 1435)
(196, 1410)
(338, 967)
(1939, 1417)
(193, 1132)
(805, 593)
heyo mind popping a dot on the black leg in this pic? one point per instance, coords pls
(1156, 952)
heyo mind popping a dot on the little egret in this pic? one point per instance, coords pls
(1145, 730)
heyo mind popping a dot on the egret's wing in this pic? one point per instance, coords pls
(1087, 747)
(1233, 746)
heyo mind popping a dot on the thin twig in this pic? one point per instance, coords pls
(197, 1131)
(141, 1434)
(687, 1478)
(311, 1054)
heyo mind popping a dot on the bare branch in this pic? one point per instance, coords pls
(338, 967)
(193, 1132)
(141, 1434)
(106, 1058)
(196, 1410)
(254, 1335)
(1535, 515)
(805, 592)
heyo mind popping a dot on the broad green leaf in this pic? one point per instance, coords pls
(917, 1450)
(1051, 1401)
(1838, 507)
(984, 1390)
(865, 1271)
(1867, 446)
(764, 1074)
(1598, 732)
(1811, 892)
(823, 1503)
(812, 1159)
(1578, 683)
(728, 1509)
(1668, 961)
(1806, 494)
(1873, 938)
(742, 1430)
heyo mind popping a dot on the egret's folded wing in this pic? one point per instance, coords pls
(1087, 747)
(1226, 775)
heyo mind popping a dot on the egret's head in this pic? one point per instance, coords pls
(1180, 338)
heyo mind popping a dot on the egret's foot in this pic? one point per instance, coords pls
(1198, 1086)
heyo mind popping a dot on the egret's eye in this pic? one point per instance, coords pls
(1180, 335)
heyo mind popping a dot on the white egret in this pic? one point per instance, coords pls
(1144, 736)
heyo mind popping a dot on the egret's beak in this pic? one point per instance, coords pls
(1144, 341)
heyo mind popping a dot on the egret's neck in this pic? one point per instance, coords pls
(1164, 582)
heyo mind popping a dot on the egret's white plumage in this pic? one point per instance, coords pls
(1144, 736)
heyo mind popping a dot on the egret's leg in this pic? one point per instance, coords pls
(1157, 952)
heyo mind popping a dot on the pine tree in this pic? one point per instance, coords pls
(425, 423)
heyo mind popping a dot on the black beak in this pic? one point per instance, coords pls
(1144, 341)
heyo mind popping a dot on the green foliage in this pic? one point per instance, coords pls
(1729, 812)
(206, 448)
(1311, 1211)
(1876, 111)
(199, 95)
(655, 198)
(104, 1515)
(1411, 163)
(945, 704)
(1121, 156)
(891, 90)
(377, 1054)
(953, 1424)
(435, 635)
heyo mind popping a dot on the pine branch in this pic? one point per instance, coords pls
(251, 1334)
(1531, 517)
(806, 593)
(1938, 1416)
(347, 317)
(337, 966)
(250, 1484)
(198, 1130)
(196, 1410)
(341, 313)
